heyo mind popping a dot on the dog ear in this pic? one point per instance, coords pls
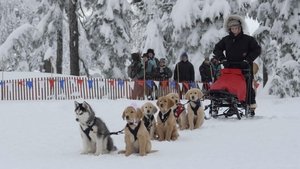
(140, 114)
(170, 102)
(157, 102)
(187, 95)
(200, 94)
(76, 103)
(143, 107)
(123, 115)
(154, 109)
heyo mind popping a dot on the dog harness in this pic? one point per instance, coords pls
(164, 117)
(198, 104)
(148, 119)
(179, 109)
(135, 130)
(88, 129)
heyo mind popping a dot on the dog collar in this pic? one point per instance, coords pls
(148, 121)
(198, 104)
(164, 116)
(135, 130)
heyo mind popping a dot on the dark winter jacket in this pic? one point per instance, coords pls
(162, 73)
(185, 70)
(206, 72)
(237, 49)
(135, 70)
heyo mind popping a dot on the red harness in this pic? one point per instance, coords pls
(179, 109)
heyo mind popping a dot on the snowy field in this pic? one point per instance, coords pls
(45, 135)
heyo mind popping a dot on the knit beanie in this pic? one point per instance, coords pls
(184, 54)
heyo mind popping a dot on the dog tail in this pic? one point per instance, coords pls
(114, 148)
(153, 151)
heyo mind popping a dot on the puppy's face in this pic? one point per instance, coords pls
(132, 115)
(174, 97)
(164, 103)
(83, 112)
(149, 109)
(194, 94)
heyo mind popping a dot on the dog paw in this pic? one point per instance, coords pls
(127, 154)
(84, 152)
(142, 154)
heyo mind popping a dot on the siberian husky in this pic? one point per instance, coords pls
(94, 133)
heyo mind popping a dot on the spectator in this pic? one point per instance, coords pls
(184, 71)
(136, 72)
(149, 66)
(206, 74)
(151, 55)
(162, 72)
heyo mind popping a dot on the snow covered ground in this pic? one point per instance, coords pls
(45, 135)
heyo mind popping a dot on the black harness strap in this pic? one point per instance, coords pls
(164, 117)
(148, 119)
(198, 104)
(135, 130)
(117, 132)
(88, 130)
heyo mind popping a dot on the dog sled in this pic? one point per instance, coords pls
(230, 94)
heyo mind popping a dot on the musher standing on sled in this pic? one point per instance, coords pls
(238, 47)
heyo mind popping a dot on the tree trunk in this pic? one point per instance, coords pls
(59, 51)
(59, 34)
(73, 27)
(265, 75)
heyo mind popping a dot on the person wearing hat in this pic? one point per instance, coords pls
(238, 47)
(184, 71)
(151, 56)
(162, 72)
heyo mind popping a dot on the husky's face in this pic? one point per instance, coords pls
(82, 112)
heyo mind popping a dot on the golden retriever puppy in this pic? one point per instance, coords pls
(137, 138)
(149, 110)
(179, 111)
(195, 111)
(166, 123)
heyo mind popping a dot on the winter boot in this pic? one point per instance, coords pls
(252, 110)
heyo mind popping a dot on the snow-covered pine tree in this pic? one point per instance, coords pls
(282, 18)
(152, 27)
(108, 31)
(12, 15)
(199, 25)
(16, 36)
(47, 39)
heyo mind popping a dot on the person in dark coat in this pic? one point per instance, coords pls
(206, 73)
(184, 71)
(136, 72)
(238, 47)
